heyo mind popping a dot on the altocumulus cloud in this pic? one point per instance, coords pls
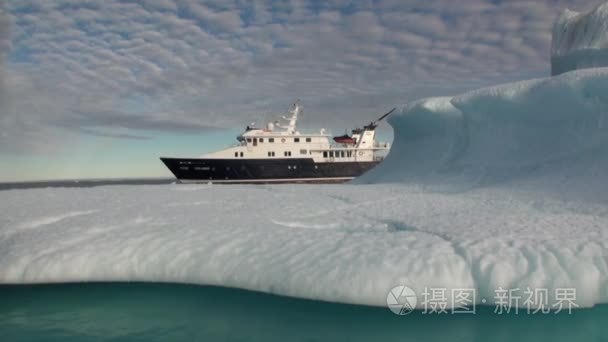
(121, 68)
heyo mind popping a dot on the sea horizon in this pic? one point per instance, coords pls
(84, 182)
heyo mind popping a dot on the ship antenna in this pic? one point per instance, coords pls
(374, 124)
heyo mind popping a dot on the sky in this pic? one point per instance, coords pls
(102, 88)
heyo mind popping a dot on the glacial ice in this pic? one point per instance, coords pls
(342, 243)
(580, 40)
(547, 134)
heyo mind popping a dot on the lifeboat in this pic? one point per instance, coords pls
(345, 139)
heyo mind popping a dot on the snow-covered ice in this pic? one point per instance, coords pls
(345, 243)
(348, 243)
(580, 40)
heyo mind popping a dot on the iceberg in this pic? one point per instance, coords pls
(550, 134)
(580, 40)
(338, 243)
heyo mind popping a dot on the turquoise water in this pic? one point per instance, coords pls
(172, 312)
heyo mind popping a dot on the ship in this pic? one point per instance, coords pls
(279, 153)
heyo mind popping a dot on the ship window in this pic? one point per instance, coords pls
(331, 154)
(296, 139)
(261, 140)
(349, 154)
(241, 154)
(248, 140)
(308, 140)
(273, 154)
(236, 154)
(324, 154)
(270, 140)
(342, 154)
(303, 151)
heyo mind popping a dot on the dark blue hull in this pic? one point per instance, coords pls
(264, 170)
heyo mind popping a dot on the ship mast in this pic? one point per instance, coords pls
(296, 109)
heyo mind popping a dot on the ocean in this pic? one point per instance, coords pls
(175, 312)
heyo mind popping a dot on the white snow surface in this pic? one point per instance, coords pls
(503, 187)
(344, 243)
(580, 40)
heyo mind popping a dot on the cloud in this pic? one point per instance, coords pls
(113, 134)
(4, 47)
(187, 65)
